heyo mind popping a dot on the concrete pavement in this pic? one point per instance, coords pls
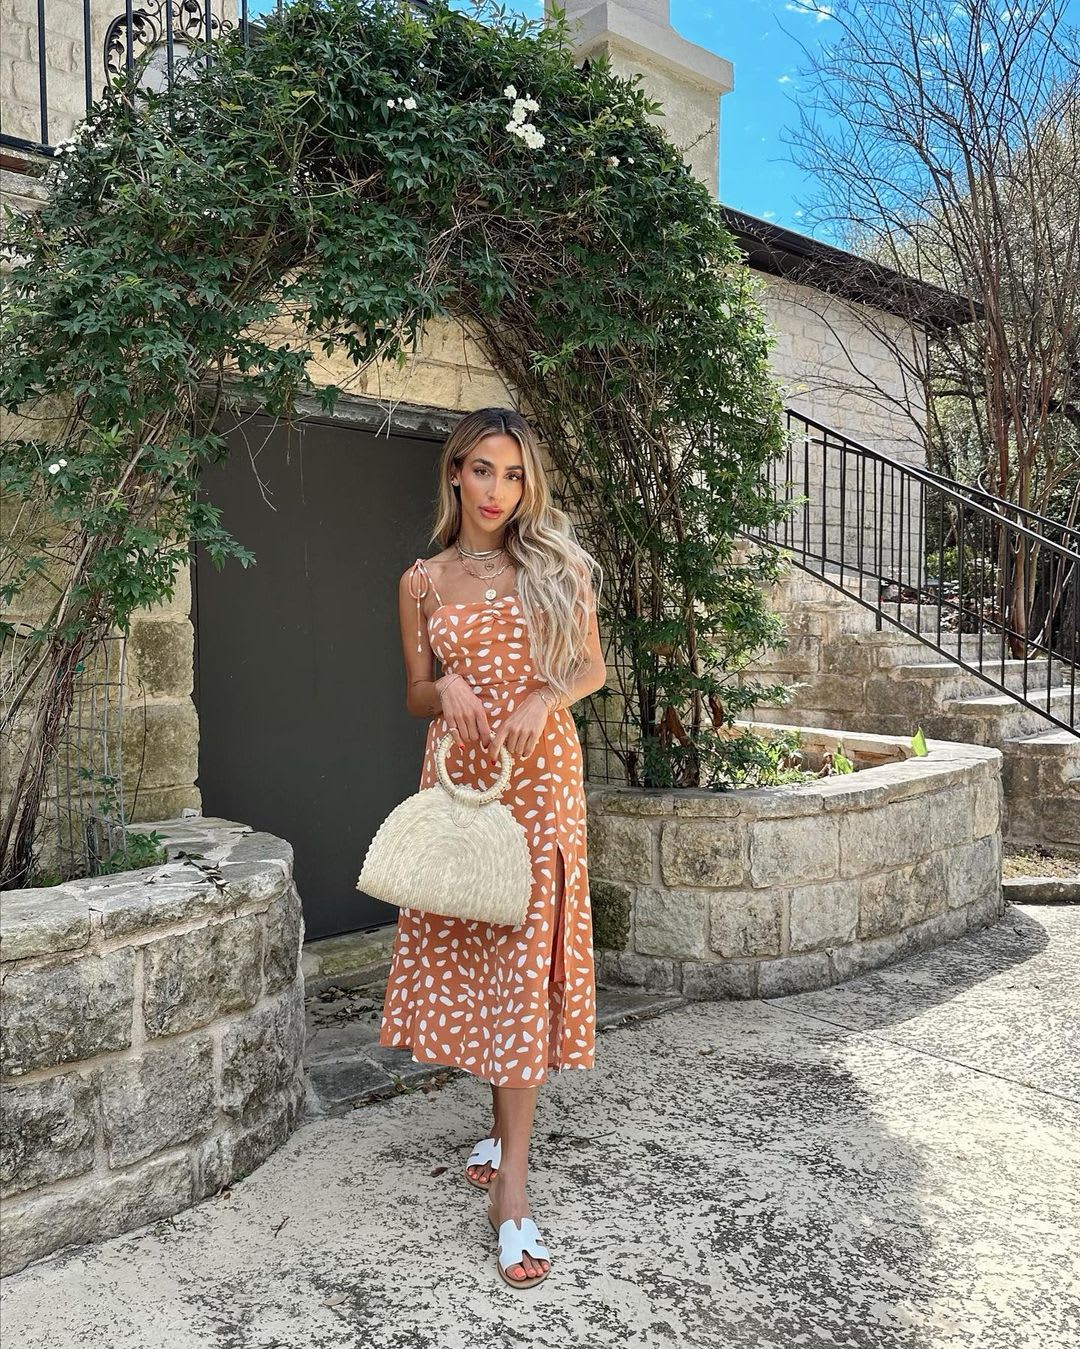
(893, 1163)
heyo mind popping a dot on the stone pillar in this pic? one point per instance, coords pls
(687, 79)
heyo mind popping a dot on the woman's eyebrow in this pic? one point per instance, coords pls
(510, 468)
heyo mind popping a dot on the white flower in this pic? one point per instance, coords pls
(519, 111)
(530, 103)
(62, 463)
(390, 102)
(613, 160)
(409, 103)
(629, 159)
(54, 468)
(510, 91)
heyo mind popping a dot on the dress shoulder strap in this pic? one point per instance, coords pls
(419, 580)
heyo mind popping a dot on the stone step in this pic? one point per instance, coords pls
(900, 648)
(955, 681)
(991, 719)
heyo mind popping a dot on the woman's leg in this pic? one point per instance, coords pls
(481, 1171)
(514, 1110)
(517, 1106)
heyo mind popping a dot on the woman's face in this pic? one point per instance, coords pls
(492, 475)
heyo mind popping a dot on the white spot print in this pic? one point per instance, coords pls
(493, 990)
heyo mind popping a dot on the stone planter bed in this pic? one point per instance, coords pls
(767, 891)
(152, 1036)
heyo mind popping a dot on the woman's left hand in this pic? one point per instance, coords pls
(522, 729)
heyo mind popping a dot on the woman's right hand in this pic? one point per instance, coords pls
(464, 713)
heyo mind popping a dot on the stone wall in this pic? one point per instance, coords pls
(837, 364)
(844, 672)
(151, 1038)
(763, 892)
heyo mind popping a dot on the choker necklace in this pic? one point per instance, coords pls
(483, 552)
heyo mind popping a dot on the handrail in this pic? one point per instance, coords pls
(1040, 520)
(936, 559)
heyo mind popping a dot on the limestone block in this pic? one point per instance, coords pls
(648, 801)
(163, 1098)
(802, 849)
(193, 978)
(418, 381)
(823, 915)
(448, 342)
(627, 967)
(719, 979)
(793, 974)
(703, 852)
(610, 915)
(899, 898)
(284, 939)
(986, 808)
(166, 803)
(747, 922)
(29, 927)
(46, 1131)
(66, 1013)
(162, 741)
(235, 1152)
(620, 849)
(952, 814)
(101, 1208)
(877, 839)
(262, 1053)
(671, 923)
(160, 658)
(973, 872)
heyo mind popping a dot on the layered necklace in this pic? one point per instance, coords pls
(486, 557)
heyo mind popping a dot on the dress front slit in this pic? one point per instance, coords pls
(507, 1004)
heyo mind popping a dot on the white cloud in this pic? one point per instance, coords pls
(784, 79)
(820, 12)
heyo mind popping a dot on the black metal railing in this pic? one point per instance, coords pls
(65, 97)
(988, 584)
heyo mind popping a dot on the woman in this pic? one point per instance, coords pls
(509, 610)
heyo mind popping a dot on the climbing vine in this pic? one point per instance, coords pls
(361, 168)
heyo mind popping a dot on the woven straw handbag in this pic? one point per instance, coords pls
(452, 850)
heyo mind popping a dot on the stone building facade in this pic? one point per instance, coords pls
(817, 300)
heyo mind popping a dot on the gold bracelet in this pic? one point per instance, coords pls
(542, 693)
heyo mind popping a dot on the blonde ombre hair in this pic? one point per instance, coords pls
(555, 574)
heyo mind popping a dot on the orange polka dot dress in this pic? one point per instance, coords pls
(506, 1004)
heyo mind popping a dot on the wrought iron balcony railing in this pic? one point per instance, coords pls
(67, 54)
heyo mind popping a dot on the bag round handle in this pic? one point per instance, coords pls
(459, 790)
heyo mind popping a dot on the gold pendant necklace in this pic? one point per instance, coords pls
(489, 567)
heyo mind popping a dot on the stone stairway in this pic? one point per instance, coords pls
(852, 676)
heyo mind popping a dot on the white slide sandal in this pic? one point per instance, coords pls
(487, 1150)
(514, 1241)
